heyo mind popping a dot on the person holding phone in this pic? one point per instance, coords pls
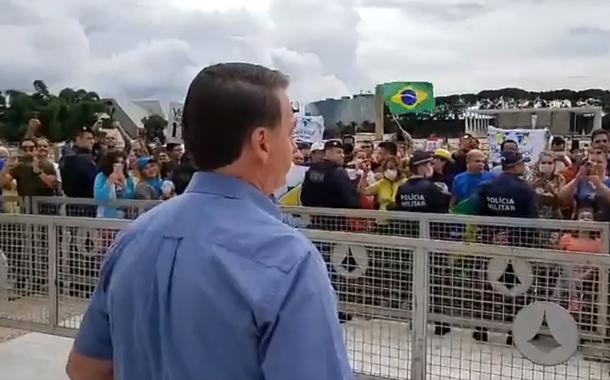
(111, 183)
(34, 176)
(591, 186)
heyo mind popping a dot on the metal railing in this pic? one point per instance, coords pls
(418, 308)
(532, 233)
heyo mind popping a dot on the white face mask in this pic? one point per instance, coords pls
(545, 168)
(390, 174)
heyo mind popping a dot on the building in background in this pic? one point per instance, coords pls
(566, 121)
(130, 113)
(355, 109)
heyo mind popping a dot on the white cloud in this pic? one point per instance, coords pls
(152, 48)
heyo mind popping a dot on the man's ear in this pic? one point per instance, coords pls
(259, 143)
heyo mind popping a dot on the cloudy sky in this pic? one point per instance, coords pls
(152, 48)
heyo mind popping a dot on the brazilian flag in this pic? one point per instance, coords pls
(409, 97)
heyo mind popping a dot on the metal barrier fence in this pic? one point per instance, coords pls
(531, 233)
(420, 309)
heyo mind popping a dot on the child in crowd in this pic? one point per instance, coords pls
(575, 277)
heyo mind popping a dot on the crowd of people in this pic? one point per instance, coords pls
(383, 176)
(557, 185)
(95, 167)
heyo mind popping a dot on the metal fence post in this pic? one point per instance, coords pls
(27, 205)
(604, 285)
(52, 273)
(420, 314)
(3, 278)
(424, 227)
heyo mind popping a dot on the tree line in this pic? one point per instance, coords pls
(60, 115)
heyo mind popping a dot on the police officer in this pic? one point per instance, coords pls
(327, 184)
(508, 195)
(419, 193)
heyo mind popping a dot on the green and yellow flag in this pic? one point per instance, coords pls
(409, 97)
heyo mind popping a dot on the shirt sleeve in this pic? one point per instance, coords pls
(479, 198)
(346, 190)
(14, 171)
(455, 188)
(372, 189)
(47, 167)
(102, 191)
(130, 188)
(532, 205)
(306, 341)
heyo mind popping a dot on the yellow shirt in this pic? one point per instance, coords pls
(384, 191)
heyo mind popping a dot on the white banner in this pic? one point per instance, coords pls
(531, 142)
(173, 131)
(309, 129)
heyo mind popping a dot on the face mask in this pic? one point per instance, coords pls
(390, 174)
(545, 168)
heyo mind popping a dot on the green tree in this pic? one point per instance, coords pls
(154, 125)
(60, 115)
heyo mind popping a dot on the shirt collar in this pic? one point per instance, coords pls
(231, 187)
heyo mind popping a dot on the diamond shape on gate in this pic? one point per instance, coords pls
(509, 278)
(349, 263)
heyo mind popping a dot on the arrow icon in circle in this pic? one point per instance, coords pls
(509, 277)
(349, 262)
(549, 343)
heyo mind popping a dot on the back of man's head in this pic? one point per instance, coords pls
(390, 147)
(225, 103)
(558, 141)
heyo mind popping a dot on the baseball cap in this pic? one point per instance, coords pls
(85, 129)
(143, 161)
(317, 146)
(509, 159)
(330, 144)
(444, 154)
(420, 157)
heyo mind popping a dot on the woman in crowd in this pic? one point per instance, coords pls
(442, 168)
(547, 182)
(111, 183)
(149, 186)
(591, 186)
(386, 188)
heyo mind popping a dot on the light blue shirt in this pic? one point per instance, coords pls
(104, 193)
(212, 285)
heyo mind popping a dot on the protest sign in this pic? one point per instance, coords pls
(309, 129)
(173, 130)
(531, 142)
(433, 144)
